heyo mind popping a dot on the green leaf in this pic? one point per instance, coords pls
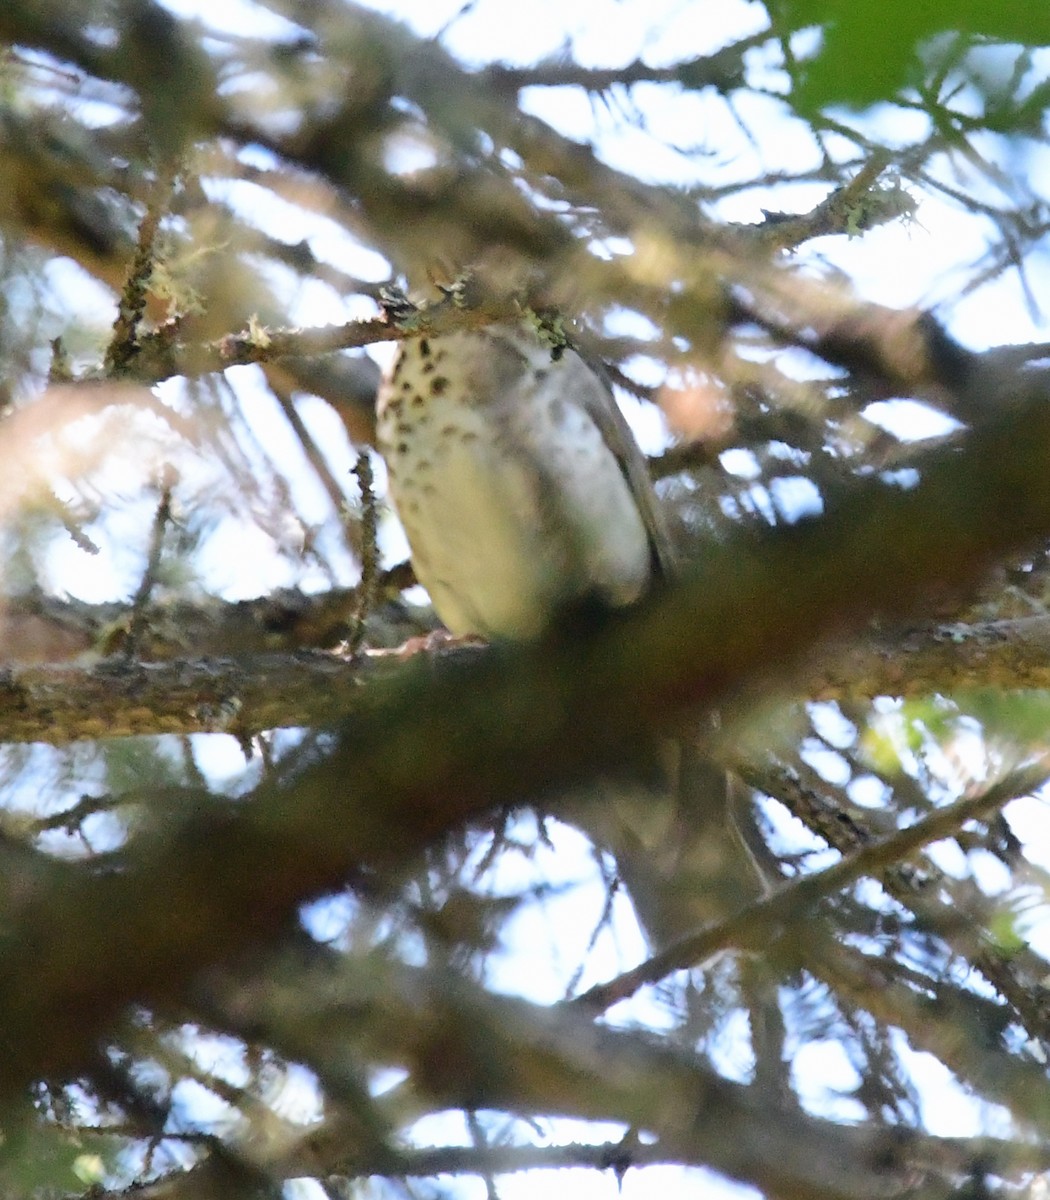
(1019, 717)
(871, 50)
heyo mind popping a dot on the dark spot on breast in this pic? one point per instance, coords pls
(438, 385)
(424, 347)
(557, 411)
(448, 430)
(418, 400)
(441, 355)
(469, 436)
(406, 386)
(402, 447)
(428, 366)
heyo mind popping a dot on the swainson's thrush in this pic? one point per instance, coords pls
(521, 488)
(517, 480)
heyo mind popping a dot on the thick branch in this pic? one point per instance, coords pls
(255, 677)
(468, 1049)
(453, 739)
(925, 659)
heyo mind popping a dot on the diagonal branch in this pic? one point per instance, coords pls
(448, 741)
(465, 1048)
(758, 924)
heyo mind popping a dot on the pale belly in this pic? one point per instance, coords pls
(513, 507)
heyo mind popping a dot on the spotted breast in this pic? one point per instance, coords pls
(517, 480)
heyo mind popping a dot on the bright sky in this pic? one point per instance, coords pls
(919, 263)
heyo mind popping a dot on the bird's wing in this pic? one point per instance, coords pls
(601, 405)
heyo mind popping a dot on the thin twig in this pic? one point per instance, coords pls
(124, 345)
(149, 576)
(366, 587)
(757, 924)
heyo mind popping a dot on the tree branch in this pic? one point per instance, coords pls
(452, 739)
(757, 925)
(466, 1048)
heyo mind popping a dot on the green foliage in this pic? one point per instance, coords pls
(1017, 718)
(46, 1159)
(872, 48)
(891, 738)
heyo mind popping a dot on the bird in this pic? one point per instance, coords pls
(517, 480)
(522, 491)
